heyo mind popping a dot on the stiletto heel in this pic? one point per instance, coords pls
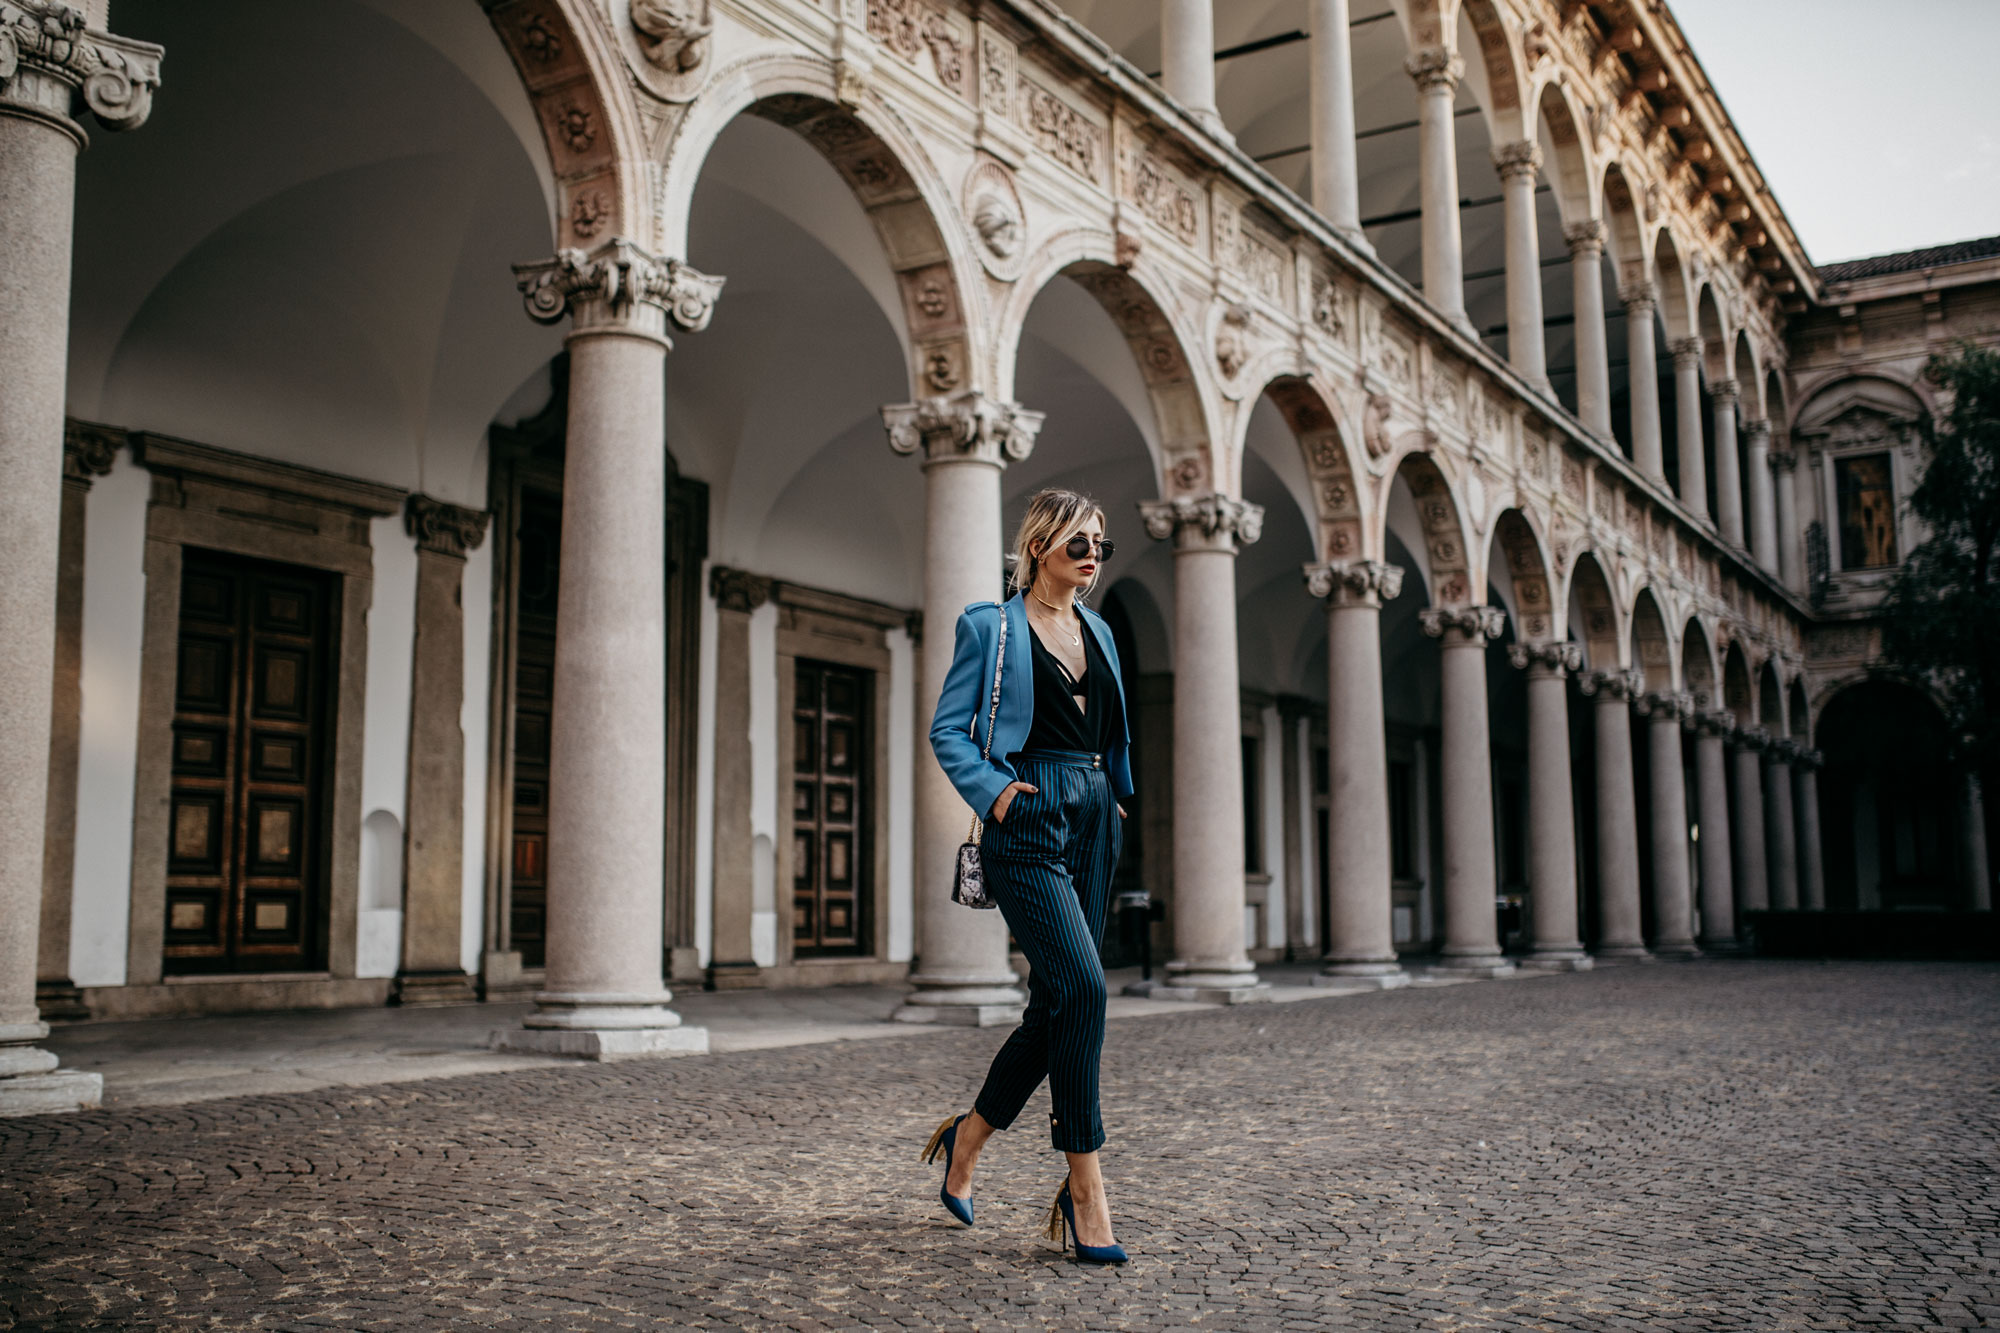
(943, 1140)
(1062, 1230)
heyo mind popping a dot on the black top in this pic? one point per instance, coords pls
(1059, 724)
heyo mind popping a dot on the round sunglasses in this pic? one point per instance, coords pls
(1078, 547)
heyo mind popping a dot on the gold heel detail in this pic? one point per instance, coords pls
(1056, 1229)
(936, 1145)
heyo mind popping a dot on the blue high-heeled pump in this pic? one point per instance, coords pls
(1062, 1216)
(944, 1140)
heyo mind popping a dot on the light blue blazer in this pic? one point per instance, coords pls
(958, 729)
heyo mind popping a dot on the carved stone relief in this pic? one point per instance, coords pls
(910, 28)
(993, 206)
(1232, 341)
(1163, 196)
(1063, 132)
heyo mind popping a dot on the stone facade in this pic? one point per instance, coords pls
(667, 726)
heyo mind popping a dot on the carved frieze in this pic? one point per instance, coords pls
(1062, 131)
(914, 28)
(1163, 196)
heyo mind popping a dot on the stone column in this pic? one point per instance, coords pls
(1812, 861)
(1977, 869)
(1437, 72)
(1783, 463)
(1746, 824)
(1471, 931)
(1718, 893)
(1187, 57)
(87, 453)
(432, 970)
(1359, 929)
(1336, 193)
(1519, 163)
(1209, 962)
(1593, 364)
(1780, 836)
(605, 995)
(1551, 814)
(962, 975)
(50, 67)
(1673, 906)
(1763, 505)
(1617, 816)
(1687, 425)
(732, 963)
(1728, 481)
(1642, 376)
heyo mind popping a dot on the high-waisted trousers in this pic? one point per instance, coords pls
(1048, 865)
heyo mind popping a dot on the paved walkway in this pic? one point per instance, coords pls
(1719, 1145)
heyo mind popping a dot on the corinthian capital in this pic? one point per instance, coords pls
(1663, 703)
(1639, 300)
(1433, 67)
(1523, 157)
(1212, 522)
(1611, 684)
(1759, 427)
(1585, 238)
(1686, 353)
(1725, 390)
(1719, 722)
(971, 428)
(1355, 582)
(618, 284)
(1555, 658)
(443, 529)
(1467, 624)
(49, 58)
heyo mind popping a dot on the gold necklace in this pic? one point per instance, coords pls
(1075, 640)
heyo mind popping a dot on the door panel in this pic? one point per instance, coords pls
(246, 872)
(540, 537)
(832, 747)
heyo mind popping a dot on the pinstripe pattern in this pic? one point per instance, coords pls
(1049, 865)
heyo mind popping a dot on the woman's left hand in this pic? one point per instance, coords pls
(1121, 811)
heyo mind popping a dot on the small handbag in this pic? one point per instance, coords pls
(968, 881)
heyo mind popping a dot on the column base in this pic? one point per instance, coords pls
(1623, 953)
(51, 1094)
(1213, 983)
(1380, 975)
(61, 1001)
(417, 990)
(1484, 966)
(1559, 960)
(973, 1002)
(603, 1027)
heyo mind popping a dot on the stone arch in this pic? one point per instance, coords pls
(1567, 164)
(1652, 647)
(1798, 711)
(1777, 402)
(574, 78)
(1718, 353)
(1744, 362)
(1675, 285)
(1698, 670)
(1625, 235)
(1736, 692)
(1831, 402)
(1441, 524)
(1593, 614)
(1771, 699)
(891, 177)
(1340, 517)
(1527, 562)
(1182, 437)
(1495, 67)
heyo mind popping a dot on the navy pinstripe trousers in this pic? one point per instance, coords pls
(1048, 865)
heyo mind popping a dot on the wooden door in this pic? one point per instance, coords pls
(540, 537)
(833, 746)
(253, 722)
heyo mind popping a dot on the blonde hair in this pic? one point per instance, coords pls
(1054, 516)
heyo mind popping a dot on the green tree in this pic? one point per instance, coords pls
(1943, 613)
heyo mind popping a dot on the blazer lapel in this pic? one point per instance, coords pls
(1017, 673)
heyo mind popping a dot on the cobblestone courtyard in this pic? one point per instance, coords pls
(1713, 1145)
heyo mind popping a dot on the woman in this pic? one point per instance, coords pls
(1048, 792)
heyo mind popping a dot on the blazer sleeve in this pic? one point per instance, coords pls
(961, 710)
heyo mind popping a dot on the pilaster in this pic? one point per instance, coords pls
(737, 595)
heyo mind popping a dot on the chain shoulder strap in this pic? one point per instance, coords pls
(993, 709)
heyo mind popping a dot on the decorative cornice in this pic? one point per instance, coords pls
(1212, 522)
(969, 428)
(1523, 157)
(89, 450)
(735, 590)
(1467, 624)
(1355, 582)
(1433, 67)
(1550, 657)
(618, 284)
(48, 56)
(1686, 353)
(1612, 684)
(1585, 237)
(444, 529)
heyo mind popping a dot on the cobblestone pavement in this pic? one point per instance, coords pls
(1712, 1145)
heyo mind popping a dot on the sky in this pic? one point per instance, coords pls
(1877, 125)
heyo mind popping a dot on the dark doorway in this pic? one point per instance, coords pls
(833, 744)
